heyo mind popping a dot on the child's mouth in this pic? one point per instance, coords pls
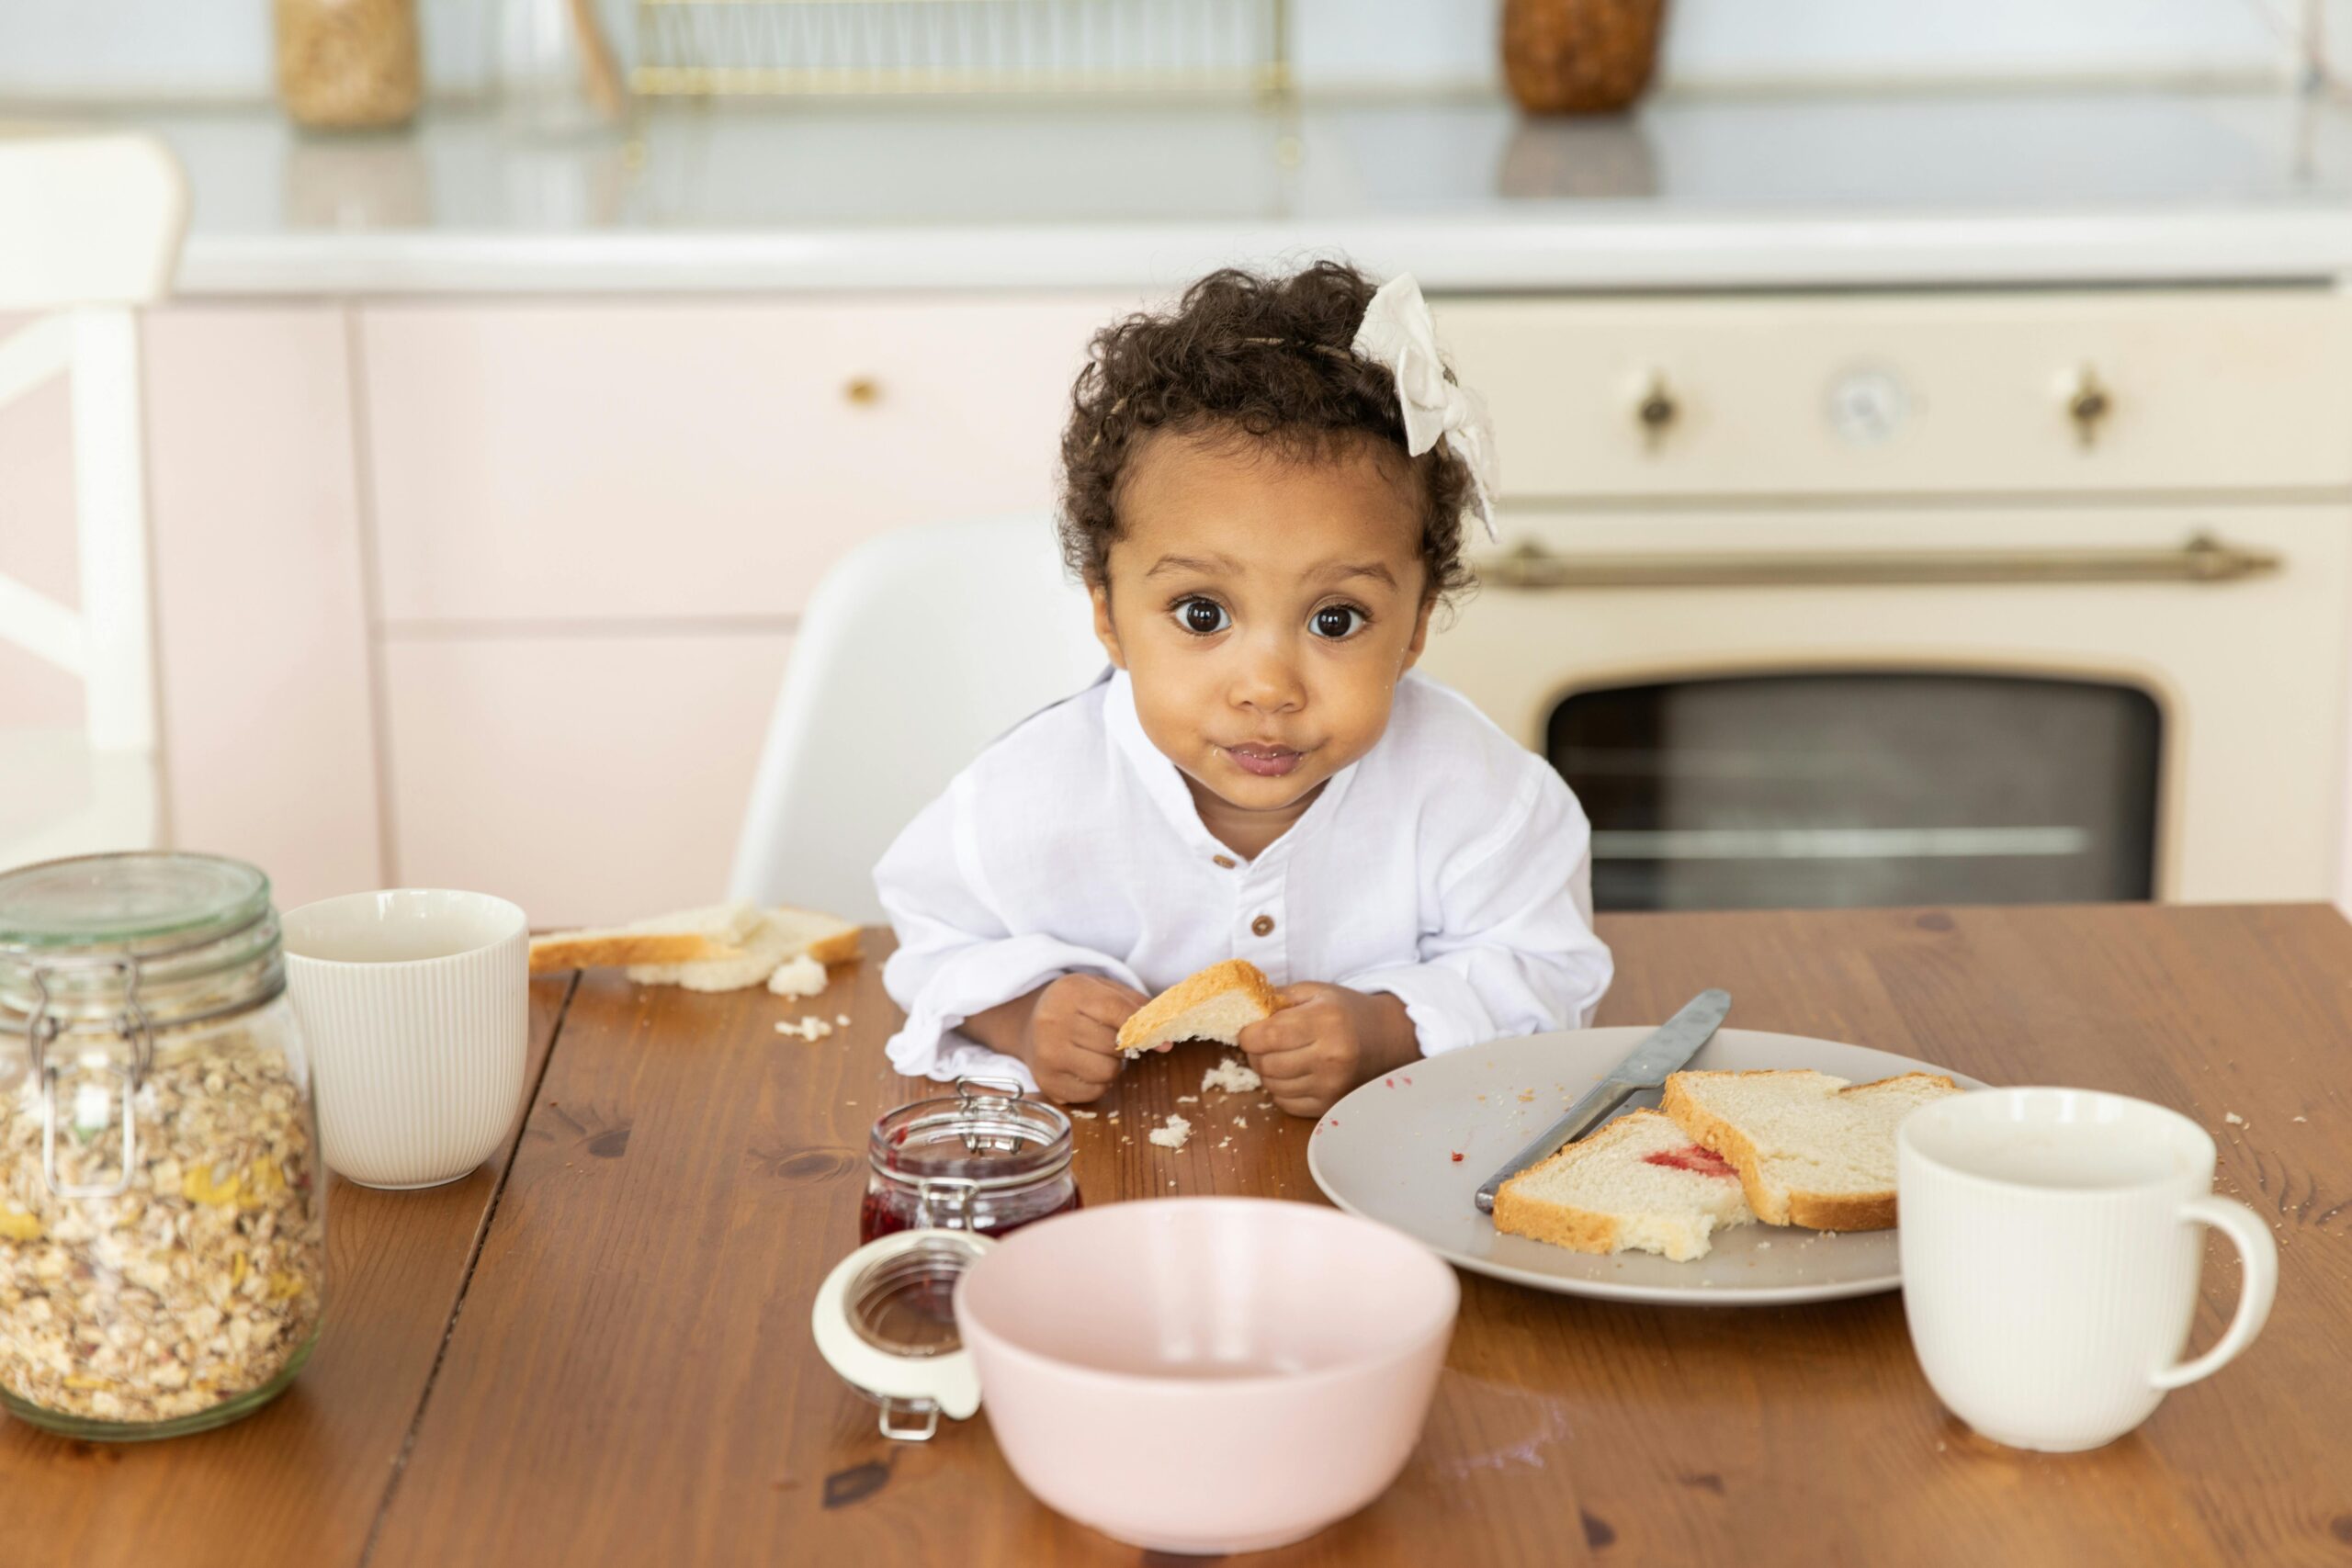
(1266, 762)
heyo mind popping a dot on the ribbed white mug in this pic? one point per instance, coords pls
(415, 1004)
(2051, 1241)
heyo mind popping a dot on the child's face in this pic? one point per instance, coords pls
(1265, 609)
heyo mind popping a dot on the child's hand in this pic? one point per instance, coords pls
(1072, 1040)
(1325, 1041)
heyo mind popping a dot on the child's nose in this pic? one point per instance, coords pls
(1268, 680)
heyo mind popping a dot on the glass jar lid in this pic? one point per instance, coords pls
(985, 1137)
(128, 903)
(181, 936)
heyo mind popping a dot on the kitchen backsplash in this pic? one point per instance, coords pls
(221, 48)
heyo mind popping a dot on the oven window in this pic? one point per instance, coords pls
(1822, 790)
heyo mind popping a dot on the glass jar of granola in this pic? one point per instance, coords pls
(163, 1209)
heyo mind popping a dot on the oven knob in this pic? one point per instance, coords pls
(1866, 407)
(1656, 409)
(2089, 402)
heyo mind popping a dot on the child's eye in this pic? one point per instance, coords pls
(1338, 621)
(1202, 617)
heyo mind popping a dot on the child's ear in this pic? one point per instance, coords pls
(1420, 636)
(1105, 632)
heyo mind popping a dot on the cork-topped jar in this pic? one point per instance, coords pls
(348, 65)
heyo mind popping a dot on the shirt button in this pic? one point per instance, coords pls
(1262, 926)
(1226, 861)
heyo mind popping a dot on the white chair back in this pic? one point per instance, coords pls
(917, 650)
(92, 221)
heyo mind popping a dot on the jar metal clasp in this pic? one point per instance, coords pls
(984, 1094)
(42, 1029)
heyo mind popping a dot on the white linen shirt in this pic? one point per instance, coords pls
(1448, 866)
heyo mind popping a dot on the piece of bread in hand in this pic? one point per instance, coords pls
(781, 935)
(1639, 1185)
(1212, 1005)
(1811, 1149)
(689, 936)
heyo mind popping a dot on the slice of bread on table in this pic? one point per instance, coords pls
(1811, 1149)
(1639, 1184)
(1215, 1004)
(688, 936)
(727, 947)
(781, 936)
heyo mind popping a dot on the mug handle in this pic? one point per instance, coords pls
(2259, 1254)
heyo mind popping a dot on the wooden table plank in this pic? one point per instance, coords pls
(303, 1480)
(632, 1378)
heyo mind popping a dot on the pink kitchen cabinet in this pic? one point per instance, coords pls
(260, 591)
(678, 460)
(589, 778)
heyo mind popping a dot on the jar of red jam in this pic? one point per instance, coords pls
(987, 1159)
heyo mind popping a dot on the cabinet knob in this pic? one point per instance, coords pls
(2088, 404)
(1657, 411)
(863, 391)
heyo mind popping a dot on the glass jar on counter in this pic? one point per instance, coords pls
(348, 65)
(986, 1161)
(163, 1207)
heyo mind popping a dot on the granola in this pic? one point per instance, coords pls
(203, 1280)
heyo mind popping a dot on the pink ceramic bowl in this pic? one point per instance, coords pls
(1207, 1374)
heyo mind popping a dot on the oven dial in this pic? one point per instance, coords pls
(1866, 407)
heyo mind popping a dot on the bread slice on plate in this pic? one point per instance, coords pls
(689, 936)
(1811, 1149)
(780, 936)
(1214, 1004)
(1638, 1185)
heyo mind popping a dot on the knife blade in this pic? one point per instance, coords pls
(1661, 1053)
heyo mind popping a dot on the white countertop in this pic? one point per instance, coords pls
(2043, 188)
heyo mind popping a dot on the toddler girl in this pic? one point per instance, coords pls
(1264, 493)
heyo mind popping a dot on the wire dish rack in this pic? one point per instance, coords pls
(875, 47)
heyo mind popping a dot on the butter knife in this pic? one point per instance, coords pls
(1663, 1051)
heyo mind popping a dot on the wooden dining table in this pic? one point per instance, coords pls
(596, 1349)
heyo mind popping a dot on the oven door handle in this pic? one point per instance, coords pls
(2203, 559)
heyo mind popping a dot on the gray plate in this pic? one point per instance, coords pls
(1385, 1151)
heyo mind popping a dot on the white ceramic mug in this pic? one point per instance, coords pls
(415, 1004)
(2051, 1241)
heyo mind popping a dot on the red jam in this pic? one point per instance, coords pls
(1692, 1158)
(886, 1213)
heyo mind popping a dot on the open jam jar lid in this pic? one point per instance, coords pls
(885, 1320)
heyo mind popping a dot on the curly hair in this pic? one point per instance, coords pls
(1267, 359)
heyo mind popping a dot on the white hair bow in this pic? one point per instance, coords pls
(1398, 332)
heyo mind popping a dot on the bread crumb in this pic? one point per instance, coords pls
(801, 976)
(842, 1019)
(810, 1028)
(2302, 1118)
(1083, 1115)
(1241, 1122)
(1761, 1245)
(1526, 1096)
(1232, 1074)
(1171, 1133)
(2234, 1119)
(1188, 1099)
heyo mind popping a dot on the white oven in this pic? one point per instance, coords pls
(1961, 598)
